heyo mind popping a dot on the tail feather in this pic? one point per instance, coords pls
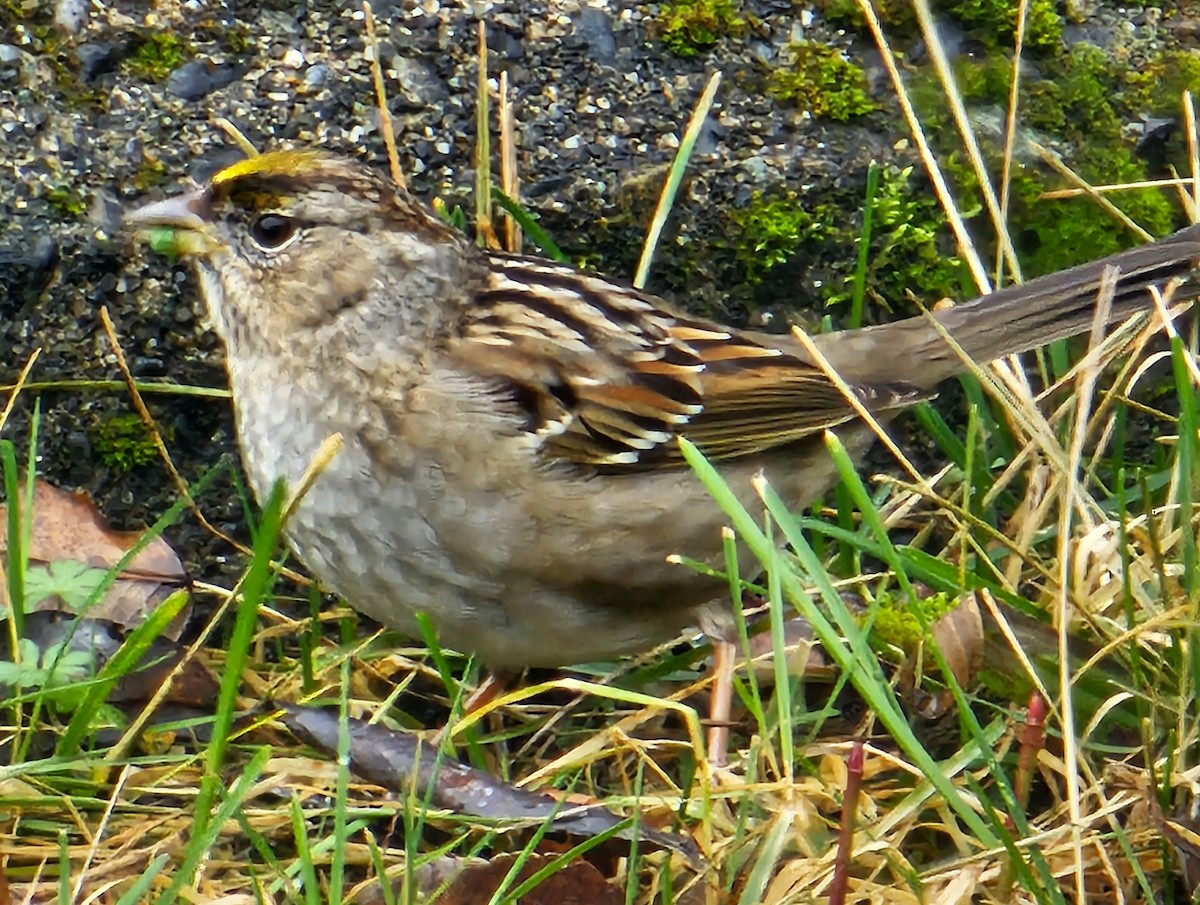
(1014, 319)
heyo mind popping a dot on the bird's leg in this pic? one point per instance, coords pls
(716, 621)
(492, 686)
(720, 701)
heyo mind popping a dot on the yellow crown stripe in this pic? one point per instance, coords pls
(273, 163)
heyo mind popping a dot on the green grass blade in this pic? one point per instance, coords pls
(305, 862)
(675, 178)
(858, 289)
(1185, 457)
(137, 892)
(854, 656)
(254, 590)
(132, 651)
(533, 230)
(205, 833)
(15, 557)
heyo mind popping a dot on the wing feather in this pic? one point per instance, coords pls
(610, 378)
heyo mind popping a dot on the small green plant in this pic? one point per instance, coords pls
(821, 81)
(57, 672)
(770, 230)
(66, 200)
(72, 582)
(996, 21)
(157, 56)
(689, 27)
(123, 443)
(907, 253)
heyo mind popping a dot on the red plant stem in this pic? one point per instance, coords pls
(841, 866)
(1033, 739)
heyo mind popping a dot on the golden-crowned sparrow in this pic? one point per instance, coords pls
(510, 463)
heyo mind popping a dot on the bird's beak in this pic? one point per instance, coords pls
(176, 226)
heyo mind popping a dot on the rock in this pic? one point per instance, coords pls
(71, 15)
(192, 81)
(316, 77)
(26, 274)
(420, 85)
(96, 58)
(595, 28)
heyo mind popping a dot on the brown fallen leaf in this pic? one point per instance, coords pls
(71, 545)
(99, 639)
(959, 636)
(577, 883)
(474, 881)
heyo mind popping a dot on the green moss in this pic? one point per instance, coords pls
(1160, 83)
(995, 21)
(822, 81)
(688, 27)
(1079, 101)
(157, 56)
(149, 174)
(1080, 110)
(238, 39)
(896, 14)
(66, 200)
(897, 625)
(122, 442)
(768, 231)
(911, 253)
(992, 22)
(1055, 234)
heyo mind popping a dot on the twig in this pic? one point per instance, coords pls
(385, 117)
(509, 182)
(16, 387)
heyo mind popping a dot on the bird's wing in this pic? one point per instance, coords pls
(608, 377)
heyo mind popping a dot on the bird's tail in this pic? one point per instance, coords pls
(1016, 318)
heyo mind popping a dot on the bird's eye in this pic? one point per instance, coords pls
(272, 232)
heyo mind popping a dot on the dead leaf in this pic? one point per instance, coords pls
(69, 537)
(959, 636)
(576, 883)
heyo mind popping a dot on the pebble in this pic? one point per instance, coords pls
(71, 15)
(595, 28)
(198, 78)
(96, 58)
(316, 77)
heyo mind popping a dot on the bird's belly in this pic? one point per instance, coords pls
(482, 573)
(551, 572)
